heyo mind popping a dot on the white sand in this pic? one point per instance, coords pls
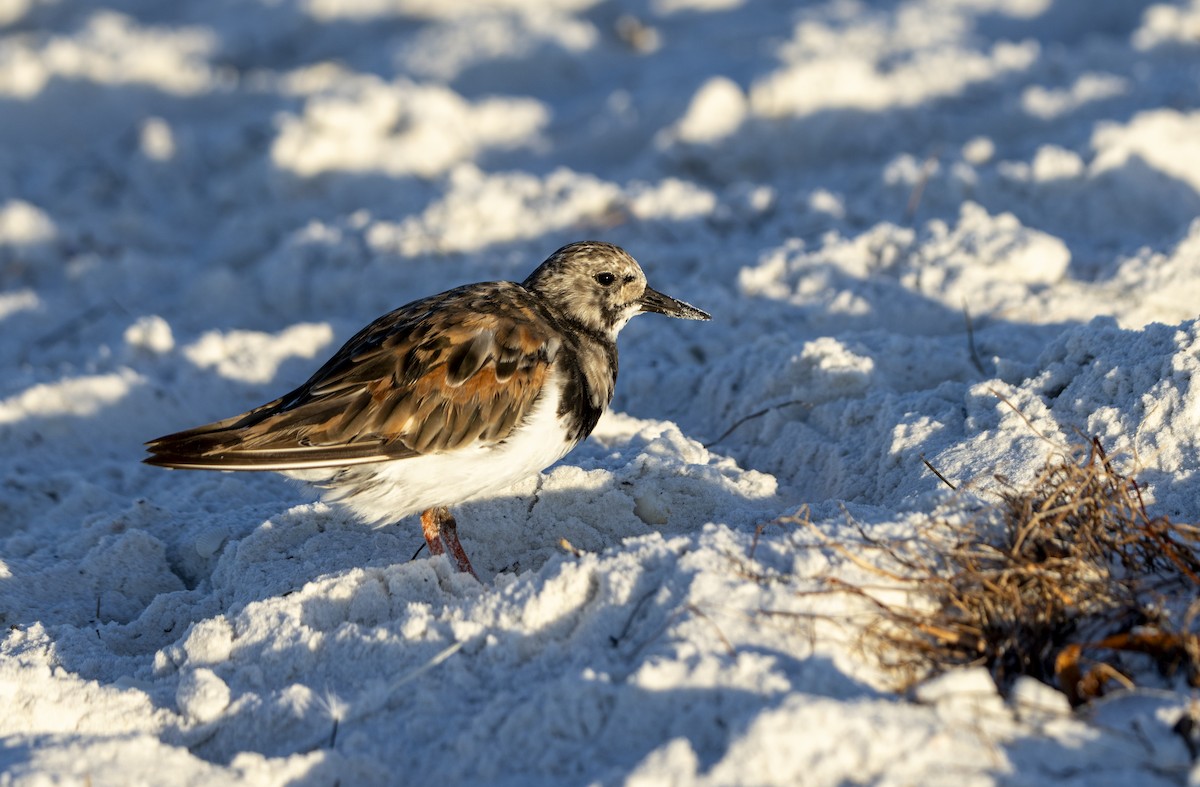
(199, 201)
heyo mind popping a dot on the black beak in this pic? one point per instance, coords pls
(655, 301)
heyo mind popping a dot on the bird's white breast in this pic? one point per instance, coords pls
(383, 492)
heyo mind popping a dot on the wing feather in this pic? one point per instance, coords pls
(432, 376)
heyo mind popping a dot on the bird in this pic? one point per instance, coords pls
(446, 399)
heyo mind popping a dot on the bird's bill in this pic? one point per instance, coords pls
(655, 301)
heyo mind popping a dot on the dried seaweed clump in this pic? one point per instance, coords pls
(1062, 580)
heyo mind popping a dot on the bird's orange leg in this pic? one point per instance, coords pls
(449, 529)
(431, 526)
(440, 526)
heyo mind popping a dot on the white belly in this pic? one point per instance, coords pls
(383, 492)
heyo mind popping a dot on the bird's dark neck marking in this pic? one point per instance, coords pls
(588, 362)
(590, 367)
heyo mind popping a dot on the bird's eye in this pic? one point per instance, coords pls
(605, 278)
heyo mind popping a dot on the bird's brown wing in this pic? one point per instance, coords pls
(432, 376)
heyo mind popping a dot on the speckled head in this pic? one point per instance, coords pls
(601, 287)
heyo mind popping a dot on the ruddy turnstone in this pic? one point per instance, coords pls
(448, 398)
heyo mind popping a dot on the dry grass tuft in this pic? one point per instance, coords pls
(1061, 581)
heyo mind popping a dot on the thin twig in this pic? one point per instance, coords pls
(914, 198)
(801, 515)
(975, 360)
(854, 558)
(1025, 418)
(752, 416)
(934, 470)
(695, 610)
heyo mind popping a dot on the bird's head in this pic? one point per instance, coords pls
(601, 287)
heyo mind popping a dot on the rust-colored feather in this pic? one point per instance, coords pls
(429, 377)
